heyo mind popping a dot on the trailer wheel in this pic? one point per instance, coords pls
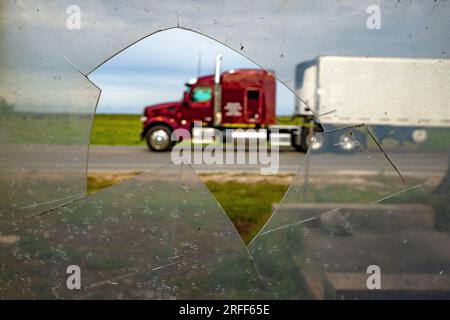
(316, 142)
(296, 140)
(419, 135)
(349, 141)
(311, 141)
(158, 138)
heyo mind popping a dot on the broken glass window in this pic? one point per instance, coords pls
(323, 241)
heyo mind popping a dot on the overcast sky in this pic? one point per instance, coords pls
(155, 69)
(276, 34)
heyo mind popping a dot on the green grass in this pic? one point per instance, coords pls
(45, 128)
(120, 129)
(248, 206)
(287, 120)
(125, 129)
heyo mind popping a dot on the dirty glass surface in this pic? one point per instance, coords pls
(45, 117)
(39, 43)
(45, 128)
(131, 241)
(47, 104)
(315, 248)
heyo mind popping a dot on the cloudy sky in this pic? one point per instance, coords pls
(155, 69)
(43, 62)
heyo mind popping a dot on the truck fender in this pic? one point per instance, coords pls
(156, 122)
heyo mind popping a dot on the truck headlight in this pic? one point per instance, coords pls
(144, 119)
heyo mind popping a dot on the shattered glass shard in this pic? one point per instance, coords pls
(160, 235)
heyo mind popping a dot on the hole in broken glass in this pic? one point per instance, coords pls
(312, 228)
(137, 85)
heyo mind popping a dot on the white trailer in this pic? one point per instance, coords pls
(404, 94)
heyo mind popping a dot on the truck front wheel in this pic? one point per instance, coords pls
(158, 138)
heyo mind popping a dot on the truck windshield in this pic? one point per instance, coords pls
(200, 94)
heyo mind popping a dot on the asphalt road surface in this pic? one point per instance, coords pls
(139, 158)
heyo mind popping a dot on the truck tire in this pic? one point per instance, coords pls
(158, 138)
(419, 135)
(349, 142)
(308, 140)
(316, 142)
(296, 140)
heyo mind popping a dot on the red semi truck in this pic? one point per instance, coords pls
(243, 98)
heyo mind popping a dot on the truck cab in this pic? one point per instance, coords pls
(235, 98)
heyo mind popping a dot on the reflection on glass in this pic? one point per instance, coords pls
(335, 226)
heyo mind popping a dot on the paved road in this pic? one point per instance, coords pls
(125, 158)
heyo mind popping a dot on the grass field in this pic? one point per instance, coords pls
(120, 129)
(249, 204)
(125, 129)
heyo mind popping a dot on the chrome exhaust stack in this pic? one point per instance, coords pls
(217, 92)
